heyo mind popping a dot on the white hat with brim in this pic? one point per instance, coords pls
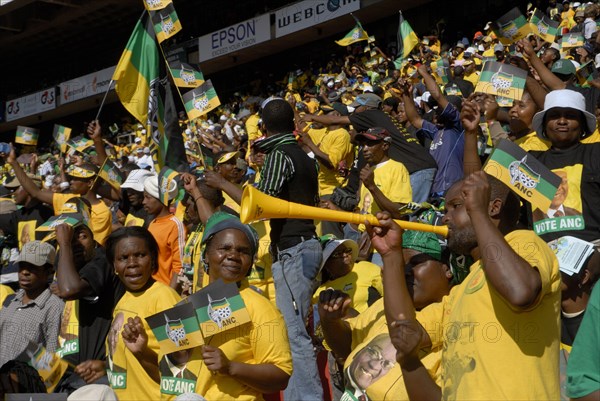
(135, 179)
(563, 98)
(332, 245)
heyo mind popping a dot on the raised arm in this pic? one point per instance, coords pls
(432, 87)
(513, 277)
(70, 284)
(333, 307)
(26, 182)
(547, 76)
(469, 116)
(326, 119)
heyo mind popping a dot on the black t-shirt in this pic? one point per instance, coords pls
(405, 148)
(33, 211)
(579, 212)
(569, 327)
(95, 312)
(591, 95)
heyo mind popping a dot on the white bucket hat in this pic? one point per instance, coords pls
(564, 98)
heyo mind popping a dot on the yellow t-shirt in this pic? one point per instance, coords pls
(4, 292)
(126, 375)
(472, 78)
(532, 142)
(263, 340)
(335, 144)
(595, 137)
(370, 329)
(392, 178)
(101, 217)
(484, 337)
(252, 127)
(356, 284)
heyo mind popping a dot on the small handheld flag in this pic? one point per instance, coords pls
(511, 27)
(153, 5)
(357, 34)
(80, 143)
(219, 307)
(570, 40)
(176, 329)
(185, 76)
(201, 100)
(61, 135)
(50, 366)
(523, 174)
(502, 79)
(111, 174)
(27, 135)
(544, 26)
(166, 23)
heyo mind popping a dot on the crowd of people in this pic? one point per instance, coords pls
(337, 311)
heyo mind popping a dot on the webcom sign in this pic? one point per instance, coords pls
(310, 12)
(235, 37)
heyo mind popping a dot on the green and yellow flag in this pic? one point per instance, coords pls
(511, 27)
(61, 135)
(543, 26)
(586, 73)
(166, 22)
(219, 307)
(165, 176)
(185, 76)
(70, 219)
(523, 174)
(570, 40)
(80, 143)
(152, 5)
(407, 38)
(201, 100)
(27, 135)
(50, 366)
(176, 329)
(111, 174)
(137, 69)
(502, 79)
(357, 34)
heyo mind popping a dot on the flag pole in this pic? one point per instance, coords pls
(104, 99)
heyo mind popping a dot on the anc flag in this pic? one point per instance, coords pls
(166, 22)
(176, 329)
(441, 69)
(511, 27)
(407, 38)
(152, 5)
(50, 366)
(523, 174)
(219, 307)
(70, 219)
(165, 176)
(357, 34)
(586, 73)
(571, 40)
(543, 26)
(502, 79)
(111, 174)
(61, 135)
(185, 76)
(80, 143)
(138, 69)
(201, 100)
(27, 135)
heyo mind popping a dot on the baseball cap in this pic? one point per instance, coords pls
(147, 151)
(137, 140)
(366, 99)
(498, 48)
(135, 179)
(563, 67)
(374, 134)
(37, 253)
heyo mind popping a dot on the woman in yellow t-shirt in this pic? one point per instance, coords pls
(131, 347)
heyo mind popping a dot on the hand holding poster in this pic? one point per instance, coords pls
(176, 329)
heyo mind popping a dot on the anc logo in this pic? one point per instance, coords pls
(187, 76)
(542, 27)
(175, 330)
(520, 172)
(572, 40)
(218, 310)
(476, 282)
(153, 3)
(112, 175)
(200, 102)
(166, 24)
(502, 81)
(509, 30)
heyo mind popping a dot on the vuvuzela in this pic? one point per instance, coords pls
(257, 205)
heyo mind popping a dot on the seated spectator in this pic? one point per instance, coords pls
(33, 313)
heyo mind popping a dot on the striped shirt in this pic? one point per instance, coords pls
(278, 167)
(37, 321)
